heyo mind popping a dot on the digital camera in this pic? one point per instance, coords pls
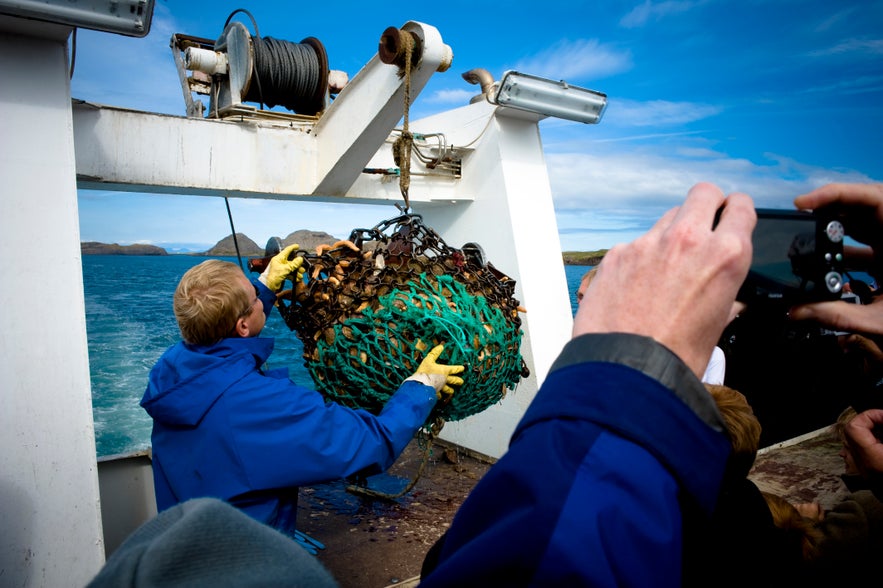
(798, 257)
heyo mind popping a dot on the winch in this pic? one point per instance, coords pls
(242, 67)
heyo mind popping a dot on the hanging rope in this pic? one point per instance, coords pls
(401, 149)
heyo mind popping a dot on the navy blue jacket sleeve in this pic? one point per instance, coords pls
(619, 441)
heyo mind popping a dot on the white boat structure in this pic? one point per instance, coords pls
(63, 511)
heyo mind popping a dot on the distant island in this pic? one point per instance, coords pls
(95, 248)
(226, 247)
(584, 257)
(308, 240)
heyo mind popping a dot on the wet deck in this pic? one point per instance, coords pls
(376, 543)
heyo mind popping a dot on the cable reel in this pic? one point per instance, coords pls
(272, 72)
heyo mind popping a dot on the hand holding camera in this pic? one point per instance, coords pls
(861, 208)
(863, 434)
(685, 314)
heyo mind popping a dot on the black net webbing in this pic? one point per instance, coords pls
(369, 308)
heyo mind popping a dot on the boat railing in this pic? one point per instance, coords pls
(127, 497)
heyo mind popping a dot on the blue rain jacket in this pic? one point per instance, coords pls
(620, 455)
(224, 428)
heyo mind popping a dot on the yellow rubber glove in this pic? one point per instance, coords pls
(439, 376)
(280, 267)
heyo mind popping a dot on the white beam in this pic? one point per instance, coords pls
(136, 151)
(369, 107)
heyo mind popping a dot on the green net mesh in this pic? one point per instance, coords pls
(370, 308)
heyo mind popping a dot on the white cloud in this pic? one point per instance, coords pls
(604, 197)
(870, 47)
(654, 11)
(582, 59)
(657, 113)
(841, 18)
(456, 97)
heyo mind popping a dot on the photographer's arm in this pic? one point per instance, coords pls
(695, 272)
(843, 316)
(620, 425)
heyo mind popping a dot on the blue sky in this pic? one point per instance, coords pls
(771, 98)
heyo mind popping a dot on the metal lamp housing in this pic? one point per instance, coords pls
(131, 18)
(550, 98)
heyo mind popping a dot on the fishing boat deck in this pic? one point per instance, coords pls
(376, 543)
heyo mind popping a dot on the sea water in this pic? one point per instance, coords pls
(130, 323)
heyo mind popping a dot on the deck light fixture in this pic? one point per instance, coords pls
(124, 17)
(548, 97)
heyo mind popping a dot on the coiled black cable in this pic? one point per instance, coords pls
(289, 74)
(292, 75)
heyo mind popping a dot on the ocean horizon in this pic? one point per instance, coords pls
(130, 323)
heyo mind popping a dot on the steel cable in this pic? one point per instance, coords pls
(289, 74)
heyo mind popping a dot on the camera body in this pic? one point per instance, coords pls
(797, 257)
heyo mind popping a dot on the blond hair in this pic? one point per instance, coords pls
(839, 426)
(742, 425)
(584, 282)
(209, 300)
(799, 530)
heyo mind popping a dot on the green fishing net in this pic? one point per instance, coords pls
(369, 309)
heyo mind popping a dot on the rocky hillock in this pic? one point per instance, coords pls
(309, 240)
(226, 247)
(306, 239)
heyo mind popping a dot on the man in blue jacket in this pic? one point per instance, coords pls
(616, 465)
(225, 428)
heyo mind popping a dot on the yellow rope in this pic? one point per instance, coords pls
(401, 149)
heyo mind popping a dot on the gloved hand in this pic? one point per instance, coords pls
(439, 376)
(280, 267)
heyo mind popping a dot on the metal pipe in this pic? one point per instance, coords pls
(204, 60)
(480, 76)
